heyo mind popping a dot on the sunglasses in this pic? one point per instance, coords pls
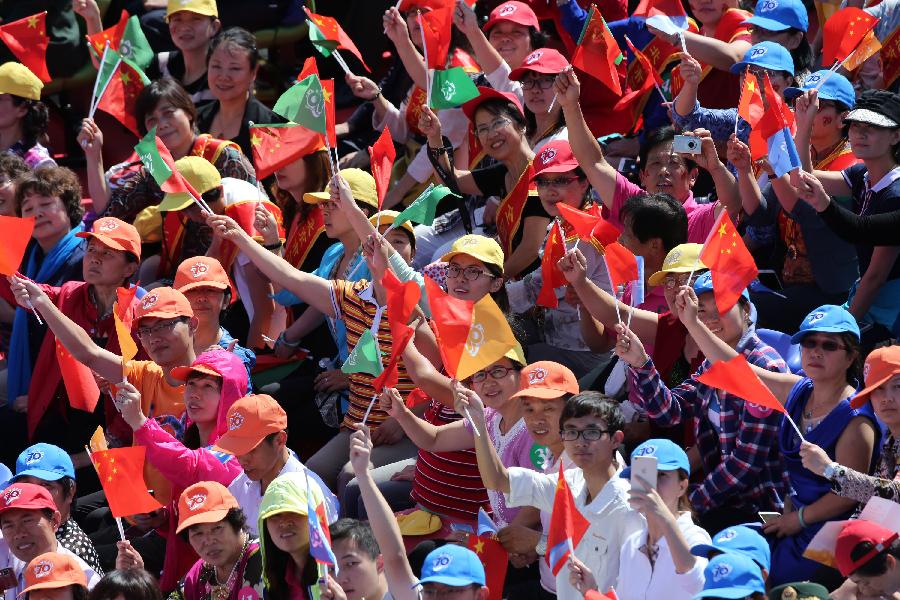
(826, 345)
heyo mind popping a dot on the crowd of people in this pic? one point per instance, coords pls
(282, 468)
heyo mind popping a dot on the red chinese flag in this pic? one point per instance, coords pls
(124, 300)
(597, 53)
(567, 525)
(750, 106)
(381, 155)
(495, 559)
(730, 262)
(275, 146)
(416, 398)
(121, 473)
(402, 298)
(328, 97)
(15, 233)
(736, 377)
(651, 77)
(27, 40)
(620, 263)
(119, 100)
(333, 31)
(436, 24)
(551, 276)
(309, 68)
(843, 32)
(400, 337)
(581, 221)
(123, 317)
(113, 35)
(81, 386)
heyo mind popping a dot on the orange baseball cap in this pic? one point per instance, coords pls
(204, 502)
(546, 379)
(881, 365)
(250, 420)
(116, 234)
(201, 271)
(53, 570)
(163, 303)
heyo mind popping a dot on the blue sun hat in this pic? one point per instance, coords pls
(833, 86)
(731, 576)
(766, 55)
(828, 318)
(669, 456)
(452, 565)
(44, 461)
(779, 15)
(738, 539)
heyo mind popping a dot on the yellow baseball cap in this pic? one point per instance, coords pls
(683, 258)
(201, 7)
(200, 173)
(387, 217)
(483, 248)
(18, 80)
(361, 183)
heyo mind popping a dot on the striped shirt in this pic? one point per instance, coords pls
(354, 303)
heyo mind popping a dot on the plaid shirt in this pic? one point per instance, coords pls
(741, 459)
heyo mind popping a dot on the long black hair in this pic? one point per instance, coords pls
(276, 567)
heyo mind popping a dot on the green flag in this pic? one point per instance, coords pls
(423, 208)
(148, 152)
(108, 63)
(304, 103)
(366, 356)
(452, 88)
(134, 45)
(320, 42)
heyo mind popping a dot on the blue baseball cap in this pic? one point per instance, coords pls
(779, 15)
(452, 565)
(44, 461)
(669, 456)
(731, 576)
(828, 318)
(738, 539)
(766, 55)
(704, 284)
(836, 87)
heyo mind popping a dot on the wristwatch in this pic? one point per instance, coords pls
(830, 470)
(541, 547)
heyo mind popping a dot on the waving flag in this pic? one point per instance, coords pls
(159, 163)
(15, 233)
(750, 106)
(672, 9)
(775, 127)
(319, 536)
(620, 263)
(365, 357)
(423, 208)
(120, 89)
(736, 377)
(863, 52)
(843, 32)
(125, 37)
(651, 78)
(588, 224)
(437, 27)
(567, 525)
(551, 276)
(121, 473)
(327, 35)
(597, 53)
(280, 144)
(381, 156)
(491, 554)
(402, 299)
(471, 335)
(451, 88)
(81, 386)
(27, 40)
(731, 264)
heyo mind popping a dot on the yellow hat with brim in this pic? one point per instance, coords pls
(362, 186)
(517, 354)
(387, 217)
(201, 7)
(483, 248)
(200, 173)
(683, 258)
(419, 522)
(18, 80)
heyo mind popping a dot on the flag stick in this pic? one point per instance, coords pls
(683, 43)
(794, 425)
(837, 65)
(471, 421)
(552, 103)
(118, 519)
(369, 408)
(340, 60)
(103, 91)
(34, 312)
(425, 56)
(630, 314)
(94, 99)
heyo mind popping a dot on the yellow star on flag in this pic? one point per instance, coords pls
(723, 230)
(479, 546)
(125, 78)
(255, 140)
(32, 22)
(326, 95)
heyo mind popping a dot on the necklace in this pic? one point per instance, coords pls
(223, 591)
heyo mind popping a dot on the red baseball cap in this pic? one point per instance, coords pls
(26, 496)
(53, 570)
(163, 303)
(489, 93)
(854, 533)
(201, 271)
(546, 379)
(250, 420)
(204, 502)
(116, 234)
(881, 365)
(554, 157)
(514, 12)
(542, 60)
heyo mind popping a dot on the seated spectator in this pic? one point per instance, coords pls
(211, 520)
(55, 576)
(51, 468)
(28, 521)
(737, 442)
(732, 576)
(739, 539)
(882, 373)
(11, 167)
(537, 76)
(205, 284)
(360, 568)
(127, 188)
(869, 555)
(785, 24)
(232, 65)
(657, 561)
(820, 404)
(24, 126)
(192, 25)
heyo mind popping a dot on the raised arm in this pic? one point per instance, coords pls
(90, 138)
(883, 259)
(75, 339)
(446, 438)
(397, 31)
(686, 99)
(310, 288)
(456, 179)
(425, 376)
(748, 188)
(806, 107)
(590, 157)
(726, 186)
(493, 472)
(400, 577)
(467, 22)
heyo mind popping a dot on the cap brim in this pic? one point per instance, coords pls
(212, 516)
(182, 373)
(281, 509)
(862, 396)
(732, 593)
(559, 168)
(795, 339)
(161, 314)
(519, 72)
(199, 284)
(316, 197)
(542, 393)
(103, 239)
(450, 581)
(484, 259)
(864, 115)
(175, 202)
(40, 474)
(767, 24)
(704, 550)
(46, 585)
(239, 445)
(29, 506)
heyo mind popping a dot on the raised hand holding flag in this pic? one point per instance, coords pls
(567, 525)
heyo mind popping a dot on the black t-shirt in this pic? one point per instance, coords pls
(885, 200)
(172, 64)
(255, 112)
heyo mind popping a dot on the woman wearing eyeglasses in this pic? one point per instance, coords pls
(820, 405)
